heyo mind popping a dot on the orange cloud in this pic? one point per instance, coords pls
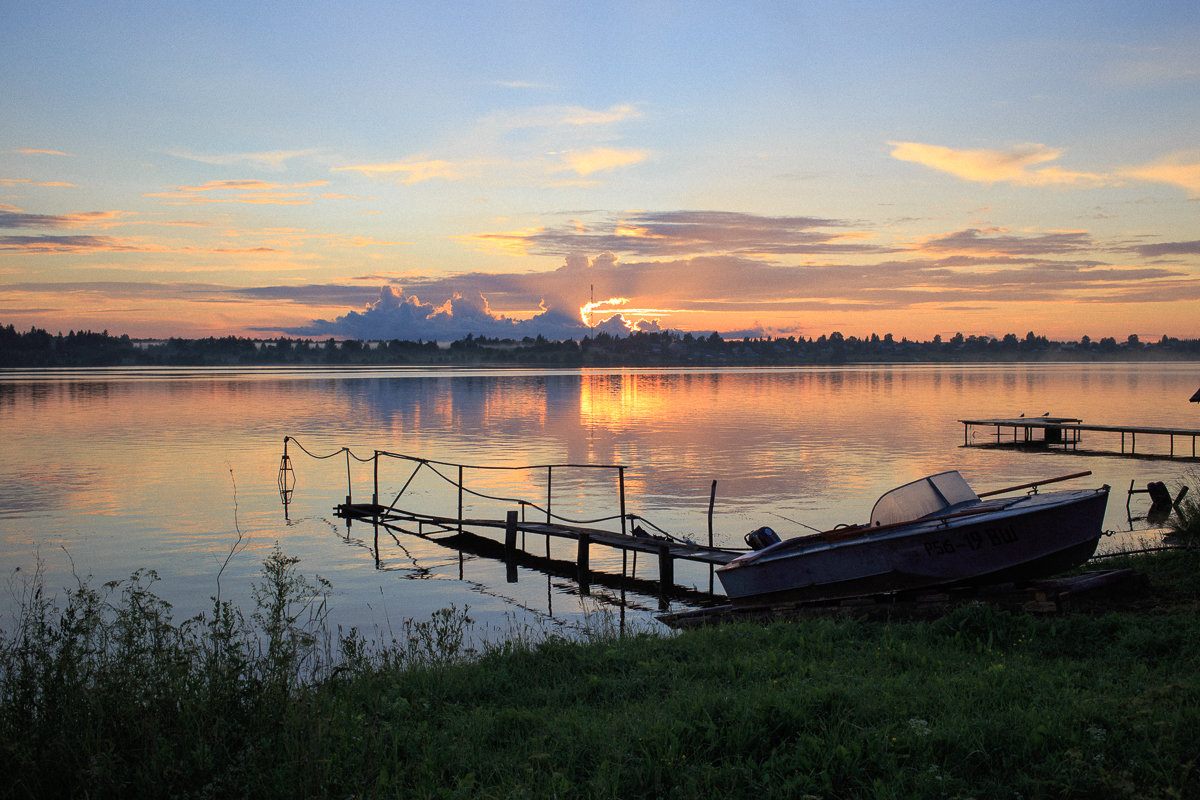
(248, 191)
(1179, 169)
(409, 171)
(34, 151)
(13, 217)
(602, 159)
(50, 184)
(1016, 166)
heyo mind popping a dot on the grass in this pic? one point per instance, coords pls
(1185, 522)
(107, 696)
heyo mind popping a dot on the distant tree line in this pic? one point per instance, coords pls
(38, 348)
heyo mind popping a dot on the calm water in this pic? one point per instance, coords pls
(105, 471)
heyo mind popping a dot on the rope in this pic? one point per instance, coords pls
(430, 463)
(311, 454)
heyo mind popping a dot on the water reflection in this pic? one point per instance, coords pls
(163, 468)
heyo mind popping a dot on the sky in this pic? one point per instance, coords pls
(427, 170)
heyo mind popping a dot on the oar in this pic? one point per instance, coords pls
(1034, 484)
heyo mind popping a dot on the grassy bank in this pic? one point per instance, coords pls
(107, 696)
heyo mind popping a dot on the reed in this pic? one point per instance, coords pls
(1185, 521)
(103, 694)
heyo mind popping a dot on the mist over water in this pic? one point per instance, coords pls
(106, 471)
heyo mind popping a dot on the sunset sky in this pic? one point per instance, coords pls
(404, 170)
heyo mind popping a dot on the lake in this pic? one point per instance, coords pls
(108, 470)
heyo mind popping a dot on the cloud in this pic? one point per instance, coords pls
(248, 191)
(1000, 242)
(28, 182)
(962, 269)
(1016, 166)
(521, 85)
(397, 315)
(43, 245)
(275, 160)
(602, 159)
(411, 171)
(1178, 169)
(33, 151)
(677, 233)
(559, 117)
(1168, 249)
(13, 217)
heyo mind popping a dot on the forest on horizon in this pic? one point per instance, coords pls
(39, 348)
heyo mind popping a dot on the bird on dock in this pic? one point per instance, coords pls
(1046, 414)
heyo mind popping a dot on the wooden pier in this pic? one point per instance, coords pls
(1066, 433)
(449, 530)
(460, 529)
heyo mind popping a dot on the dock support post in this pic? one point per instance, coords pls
(375, 495)
(510, 545)
(460, 498)
(348, 490)
(621, 488)
(549, 491)
(510, 533)
(666, 568)
(582, 557)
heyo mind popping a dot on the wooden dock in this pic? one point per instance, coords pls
(454, 529)
(1066, 433)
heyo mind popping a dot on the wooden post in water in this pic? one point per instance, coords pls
(584, 571)
(666, 568)
(549, 491)
(621, 487)
(460, 495)
(375, 495)
(510, 546)
(348, 492)
(510, 533)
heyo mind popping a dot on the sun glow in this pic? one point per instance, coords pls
(611, 306)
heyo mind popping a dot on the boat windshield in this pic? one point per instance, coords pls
(929, 495)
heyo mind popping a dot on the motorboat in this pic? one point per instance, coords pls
(932, 532)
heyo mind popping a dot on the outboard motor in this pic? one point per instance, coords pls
(760, 538)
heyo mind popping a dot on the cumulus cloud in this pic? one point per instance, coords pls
(989, 266)
(398, 315)
(1018, 165)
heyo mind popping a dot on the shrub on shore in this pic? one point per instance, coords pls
(107, 696)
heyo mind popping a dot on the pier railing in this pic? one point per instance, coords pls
(457, 480)
(437, 467)
(392, 517)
